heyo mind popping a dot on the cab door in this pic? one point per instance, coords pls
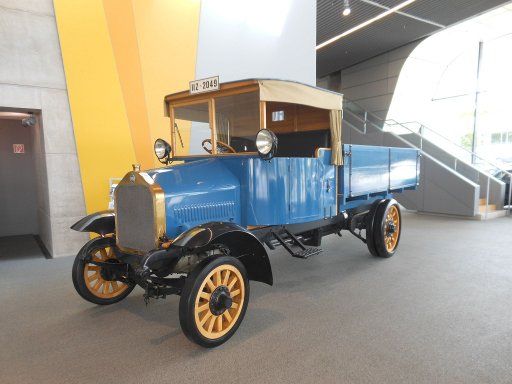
(305, 190)
(329, 183)
(312, 188)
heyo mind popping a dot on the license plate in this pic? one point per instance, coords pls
(205, 85)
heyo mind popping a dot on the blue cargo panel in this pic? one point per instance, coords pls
(371, 172)
(404, 168)
(367, 171)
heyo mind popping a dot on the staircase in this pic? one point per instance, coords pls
(448, 185)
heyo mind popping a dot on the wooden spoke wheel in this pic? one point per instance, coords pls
(384, 228)
(392, 228)
(94, 283)
(214, 301)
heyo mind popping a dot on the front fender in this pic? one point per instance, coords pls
(243, 245)
(102, 223)
(95, 244)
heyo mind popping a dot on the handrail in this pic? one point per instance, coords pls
(422, 126)
(509, 197)
(365, 121)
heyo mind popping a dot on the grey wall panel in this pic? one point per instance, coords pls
(29, 49)
(371, 84)
(257, 39)
(446, 192)
(32, 79)
(495, 186)
(442, 192)
(44, 7)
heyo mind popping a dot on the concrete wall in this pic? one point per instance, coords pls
(371, 84)
(496, 187)
(32, 78)
(18, 194)
(240, 39)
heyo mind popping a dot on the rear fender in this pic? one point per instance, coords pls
(243, 245)
(102, 223)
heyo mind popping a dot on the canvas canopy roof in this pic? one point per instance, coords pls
(271, 90)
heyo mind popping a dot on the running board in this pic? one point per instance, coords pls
(291, 242)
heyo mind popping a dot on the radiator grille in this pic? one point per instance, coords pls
(135, 218)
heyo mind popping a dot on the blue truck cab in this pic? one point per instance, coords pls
(249, 166)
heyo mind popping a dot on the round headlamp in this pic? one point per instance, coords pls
(266, 143)
(162, 149)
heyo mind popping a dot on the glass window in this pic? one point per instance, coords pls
(439, 82)
(237, 119)
(192, 127)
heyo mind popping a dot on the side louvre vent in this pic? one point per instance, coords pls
(205, 212)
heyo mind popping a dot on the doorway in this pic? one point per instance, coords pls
(19, 223)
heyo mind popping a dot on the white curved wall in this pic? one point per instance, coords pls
(240, 39)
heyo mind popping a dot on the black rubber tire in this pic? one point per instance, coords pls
(379, 228)
(191, 290)
(78, 272)
(370, 225)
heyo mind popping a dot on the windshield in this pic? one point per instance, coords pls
(236, 125)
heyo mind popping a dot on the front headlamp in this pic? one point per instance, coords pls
(162, 150)
(266, 143)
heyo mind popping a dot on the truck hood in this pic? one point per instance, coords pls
(197, 192)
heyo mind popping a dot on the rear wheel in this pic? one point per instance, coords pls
(214, 300)
(385, 229)
(94, 283)
(370, 225)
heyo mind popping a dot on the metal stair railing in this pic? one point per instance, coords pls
(367, 119)
(422, 128)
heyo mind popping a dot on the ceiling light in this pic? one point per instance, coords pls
(366, 23)
(346, 8)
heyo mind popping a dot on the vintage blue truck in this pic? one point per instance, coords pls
(251, 165)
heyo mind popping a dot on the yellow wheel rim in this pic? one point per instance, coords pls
(228, 278)
(96, 284)
(392, 228)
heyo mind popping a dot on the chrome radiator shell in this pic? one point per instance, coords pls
(139, 213)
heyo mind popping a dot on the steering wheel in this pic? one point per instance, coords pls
(221, 147)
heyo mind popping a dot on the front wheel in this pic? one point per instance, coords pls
(94, 283)
(214, 300)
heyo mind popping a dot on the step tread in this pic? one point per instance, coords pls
(492, 214)
(490, 208)
(308, 252)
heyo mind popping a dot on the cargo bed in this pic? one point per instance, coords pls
(371, 171)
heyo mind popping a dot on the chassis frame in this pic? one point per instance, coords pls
(156, 281)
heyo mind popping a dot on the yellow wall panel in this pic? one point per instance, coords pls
(102, 132)
(121, 57)
(123, 35)
(167, 33)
